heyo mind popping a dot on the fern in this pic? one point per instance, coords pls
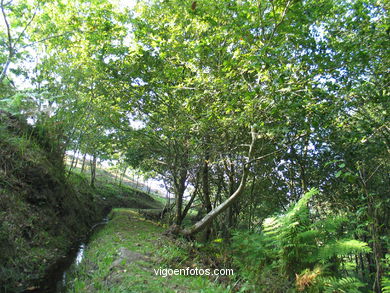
(385, 285)
(293, 246)
(342, 247)
(385, 282)
(341, 285)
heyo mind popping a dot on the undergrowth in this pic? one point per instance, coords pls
(42, 211)
(296, 252)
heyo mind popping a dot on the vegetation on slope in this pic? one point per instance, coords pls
(43, 213)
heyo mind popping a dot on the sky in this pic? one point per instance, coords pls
(124, 3)
(22, 83)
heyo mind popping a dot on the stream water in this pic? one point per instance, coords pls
(56, 278)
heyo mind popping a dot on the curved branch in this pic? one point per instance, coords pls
(203, 223)
(9, 45)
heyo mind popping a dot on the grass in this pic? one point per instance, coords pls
(104, 269)
(108, 174)
(43, 211)
(107, 184)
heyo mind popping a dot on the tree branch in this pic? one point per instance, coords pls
(9, 45)
(262, 157)
(203, 223)
(25, 28)
(7, 25)
(277, 24)
(189, 204)
(45, 39)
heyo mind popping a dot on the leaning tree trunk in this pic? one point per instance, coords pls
(203, 223)
(192, 198)
(199, 226)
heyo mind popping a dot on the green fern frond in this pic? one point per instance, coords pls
(302, 203)
(385, 283)
(343, 247)
(331, 224)
(308, 235)
(342, 285)
(293, 218)
(270, 225)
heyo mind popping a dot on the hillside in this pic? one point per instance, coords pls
(43, 213)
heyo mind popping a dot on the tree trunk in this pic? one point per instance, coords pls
(377, 247)
(122, 175)
(83, 165)
(203, 223)
(179, 182)
(71, 164)
(206, 188)
(221, 208)
(74, 163)
(251, 204)
(4, 71)
(363, 270)
(179, 193)
(77, 161)
(93, 171)
(188, 206)
(375, 235)
(205, 181)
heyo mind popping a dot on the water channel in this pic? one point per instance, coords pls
(56, 279)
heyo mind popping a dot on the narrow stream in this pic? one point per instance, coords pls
(56, 278)
(61, 284)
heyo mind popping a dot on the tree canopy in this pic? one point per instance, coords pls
(241, 107)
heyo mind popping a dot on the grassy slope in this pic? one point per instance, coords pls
(107, 177)
(42, 212)
(108, 193)
(104, 270)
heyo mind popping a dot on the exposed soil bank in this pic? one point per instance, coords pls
(43, 212)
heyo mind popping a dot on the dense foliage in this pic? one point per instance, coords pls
(239, 107)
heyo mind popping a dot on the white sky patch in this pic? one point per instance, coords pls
(124, 3)
(134, 122)
(137, 124)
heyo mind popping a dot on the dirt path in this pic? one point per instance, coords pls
(125, 255)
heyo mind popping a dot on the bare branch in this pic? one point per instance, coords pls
(46, 39)
(376, 169)
(277, 24)
(7, 25)
(262, 157)
(10, 47)
(25, 27)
